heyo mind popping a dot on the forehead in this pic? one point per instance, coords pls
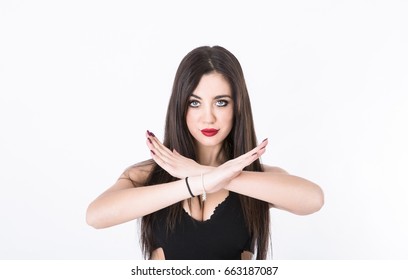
(211, 85)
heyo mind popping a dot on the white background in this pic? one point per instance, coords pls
(81, 81)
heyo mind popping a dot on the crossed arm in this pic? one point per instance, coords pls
(123, 202)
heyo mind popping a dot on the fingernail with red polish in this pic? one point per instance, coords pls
(150, 141)
(152, 152)
(265, 139)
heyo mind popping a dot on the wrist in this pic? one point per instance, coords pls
(194, 185)
(232, 183)
(205, 169)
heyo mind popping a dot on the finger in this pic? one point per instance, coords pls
(263, 144)
(158, 152)
(177, 155)
(155, 145)
(256, 150)
(261, 147)
(159, 146)
(160, 161)
(163, 156)
(252, 155)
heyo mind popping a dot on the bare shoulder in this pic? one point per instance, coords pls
(273, 169)
(137, 173)
(133, 176)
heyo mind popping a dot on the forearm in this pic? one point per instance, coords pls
(124, 205)
(283, 191)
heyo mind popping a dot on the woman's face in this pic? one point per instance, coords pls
(210, 110)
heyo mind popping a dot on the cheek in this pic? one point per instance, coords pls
(229, 117)
(190, 120)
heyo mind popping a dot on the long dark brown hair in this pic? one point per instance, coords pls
(242, 138)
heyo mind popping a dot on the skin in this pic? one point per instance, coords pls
(211, 106)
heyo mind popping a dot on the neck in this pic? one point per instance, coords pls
(210, 156)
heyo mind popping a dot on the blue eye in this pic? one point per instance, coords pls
(222, 103)
(194, 103)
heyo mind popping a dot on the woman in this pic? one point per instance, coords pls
(205, 194)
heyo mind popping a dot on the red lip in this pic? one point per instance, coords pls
(209, 132)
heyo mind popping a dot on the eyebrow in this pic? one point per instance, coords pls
(216, 97)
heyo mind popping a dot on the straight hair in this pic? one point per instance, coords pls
(201, 61)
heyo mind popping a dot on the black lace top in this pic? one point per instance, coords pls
(222, 237)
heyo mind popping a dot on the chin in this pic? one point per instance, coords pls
(210, 142)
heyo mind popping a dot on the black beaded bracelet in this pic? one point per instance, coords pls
(188, 187)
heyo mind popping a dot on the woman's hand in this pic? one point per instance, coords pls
(215, 178)
(174, 163)
(220, 177)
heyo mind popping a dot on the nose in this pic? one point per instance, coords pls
(208, 115)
